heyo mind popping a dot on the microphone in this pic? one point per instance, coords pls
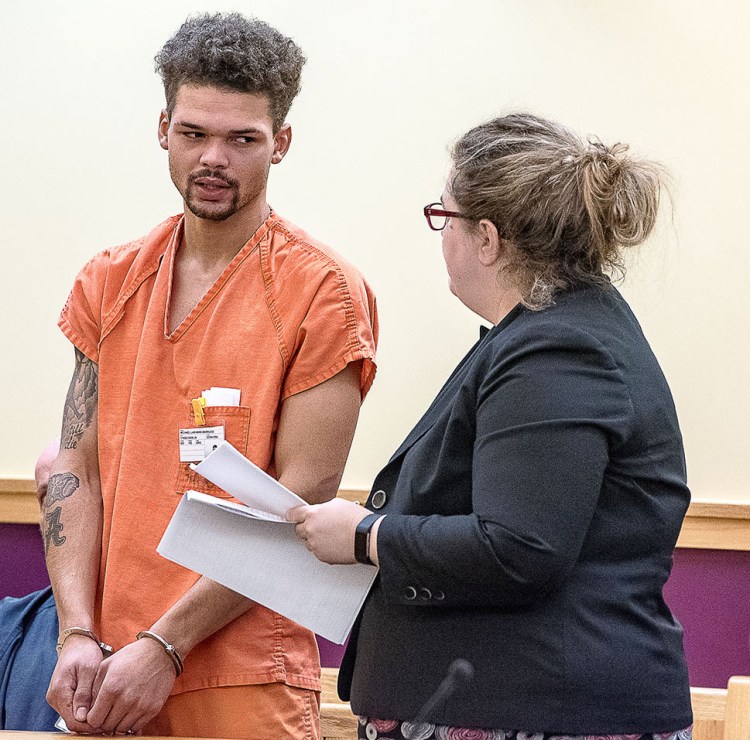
(460, 672)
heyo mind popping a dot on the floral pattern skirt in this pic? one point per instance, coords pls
(391, 729)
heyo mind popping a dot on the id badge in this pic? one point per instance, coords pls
(198, 443)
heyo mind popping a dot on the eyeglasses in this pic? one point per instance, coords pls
(437, 217)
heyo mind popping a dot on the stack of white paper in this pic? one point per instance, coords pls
(215, 396)
(253, 550)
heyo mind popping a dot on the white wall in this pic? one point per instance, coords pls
(388, 85)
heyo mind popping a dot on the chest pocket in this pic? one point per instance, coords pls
(236, 423)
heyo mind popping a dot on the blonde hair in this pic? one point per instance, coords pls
(568, 206)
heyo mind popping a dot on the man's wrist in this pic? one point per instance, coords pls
(82, 632)
(167, 647)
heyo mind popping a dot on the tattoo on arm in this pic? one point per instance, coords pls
(54, 527)
(81, 402)
(60, 486)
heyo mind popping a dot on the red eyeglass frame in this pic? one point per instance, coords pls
(436, 209)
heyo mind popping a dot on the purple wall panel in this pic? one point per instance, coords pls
(330, 653)
(22, 568)
(709, 592)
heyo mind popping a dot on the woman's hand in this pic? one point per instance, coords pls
(328, 529)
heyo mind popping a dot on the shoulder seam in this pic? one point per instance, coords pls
(110, 320)
(347, 303)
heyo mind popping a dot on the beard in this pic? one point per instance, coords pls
(207, 210)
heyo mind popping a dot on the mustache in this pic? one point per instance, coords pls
(213, 174)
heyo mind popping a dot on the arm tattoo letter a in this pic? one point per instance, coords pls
(59, 487)
(54, 527)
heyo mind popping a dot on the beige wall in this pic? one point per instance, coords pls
(387, 87)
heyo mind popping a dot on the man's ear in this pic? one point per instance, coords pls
(282, 140)
(491, 245)
(163, 129)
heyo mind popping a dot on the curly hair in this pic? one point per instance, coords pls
(569, 206)
(228, 50)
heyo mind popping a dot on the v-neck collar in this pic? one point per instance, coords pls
(211, 293)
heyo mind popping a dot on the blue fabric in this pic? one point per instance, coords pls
(28, 633)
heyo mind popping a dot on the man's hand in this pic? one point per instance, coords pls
(328, 529)
(70, 690)
(131, 687)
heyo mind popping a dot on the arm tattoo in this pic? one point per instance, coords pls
(54, 527)
(60, 486)
(81, 402)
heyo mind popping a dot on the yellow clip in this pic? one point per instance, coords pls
(198, 405)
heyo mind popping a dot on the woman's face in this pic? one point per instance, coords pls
(476, 258)
(460, 253)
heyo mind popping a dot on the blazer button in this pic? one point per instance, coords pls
(438, 595)
(410, 593)
(378, 499)
(425, 593)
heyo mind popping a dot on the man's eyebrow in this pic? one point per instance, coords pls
(187, 124)
(246, 131)
(233, 132)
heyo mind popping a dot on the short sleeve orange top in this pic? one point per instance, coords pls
(286, 314)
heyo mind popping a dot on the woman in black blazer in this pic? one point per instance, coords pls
(524, 529)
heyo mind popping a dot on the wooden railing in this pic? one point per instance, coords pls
(336, 719)
(722, 714)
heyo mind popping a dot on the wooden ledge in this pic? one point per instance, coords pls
(716, 525)
(709, 525)
(18, 501)
(357, 495)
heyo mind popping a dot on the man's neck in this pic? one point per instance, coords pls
(217, 242)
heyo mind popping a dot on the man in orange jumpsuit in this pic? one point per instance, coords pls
(227, 294)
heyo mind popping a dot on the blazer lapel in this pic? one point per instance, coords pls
(422, 427)
(442, 400)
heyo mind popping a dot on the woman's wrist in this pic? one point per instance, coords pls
(373, 553)
(362, 534)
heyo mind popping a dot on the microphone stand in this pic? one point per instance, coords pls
(460, 673)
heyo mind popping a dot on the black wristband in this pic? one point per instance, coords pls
(362, 539)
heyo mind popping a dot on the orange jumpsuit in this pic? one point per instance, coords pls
(286, 314)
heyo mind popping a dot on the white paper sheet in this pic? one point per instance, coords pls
(235, 474)
(216, 396)
(253, 550)
(266, 561)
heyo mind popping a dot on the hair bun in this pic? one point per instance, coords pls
(621, 194)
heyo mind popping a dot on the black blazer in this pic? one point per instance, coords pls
(531, 518)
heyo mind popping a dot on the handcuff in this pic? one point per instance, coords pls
(68, 631)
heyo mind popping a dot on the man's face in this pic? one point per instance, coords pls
(221, 145)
